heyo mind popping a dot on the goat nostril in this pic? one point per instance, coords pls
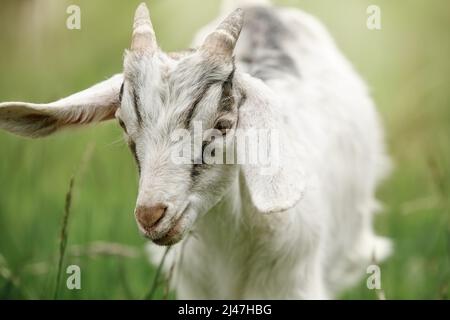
(150, 216)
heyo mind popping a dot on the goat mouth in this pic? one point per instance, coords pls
(173, 236)
(176, 232)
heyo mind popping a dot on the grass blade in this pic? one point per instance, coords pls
(154, 287)
(63, 234)
(67, 209)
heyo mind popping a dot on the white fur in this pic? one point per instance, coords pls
(304, 232)
(324, 243)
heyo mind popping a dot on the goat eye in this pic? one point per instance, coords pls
(121, 92)
(212, 151)
(122, 124)
(223, 125)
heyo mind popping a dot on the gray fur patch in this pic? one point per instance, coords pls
(266, 57)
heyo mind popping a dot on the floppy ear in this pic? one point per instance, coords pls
(281, 186)
(96, 103)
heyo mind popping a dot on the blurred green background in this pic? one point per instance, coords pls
(406, 65)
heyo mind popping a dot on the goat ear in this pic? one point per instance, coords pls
(281, 185)
(96, 103)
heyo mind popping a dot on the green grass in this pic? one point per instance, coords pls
(406, 65)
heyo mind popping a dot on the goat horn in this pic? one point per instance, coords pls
(223, 40)
(143, 38)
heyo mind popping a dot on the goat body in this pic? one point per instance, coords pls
(324, 243)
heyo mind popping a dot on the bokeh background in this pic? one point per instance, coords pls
(406, 65)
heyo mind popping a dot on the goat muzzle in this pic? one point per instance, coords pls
(148, 217)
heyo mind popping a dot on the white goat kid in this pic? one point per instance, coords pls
(302, 232)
